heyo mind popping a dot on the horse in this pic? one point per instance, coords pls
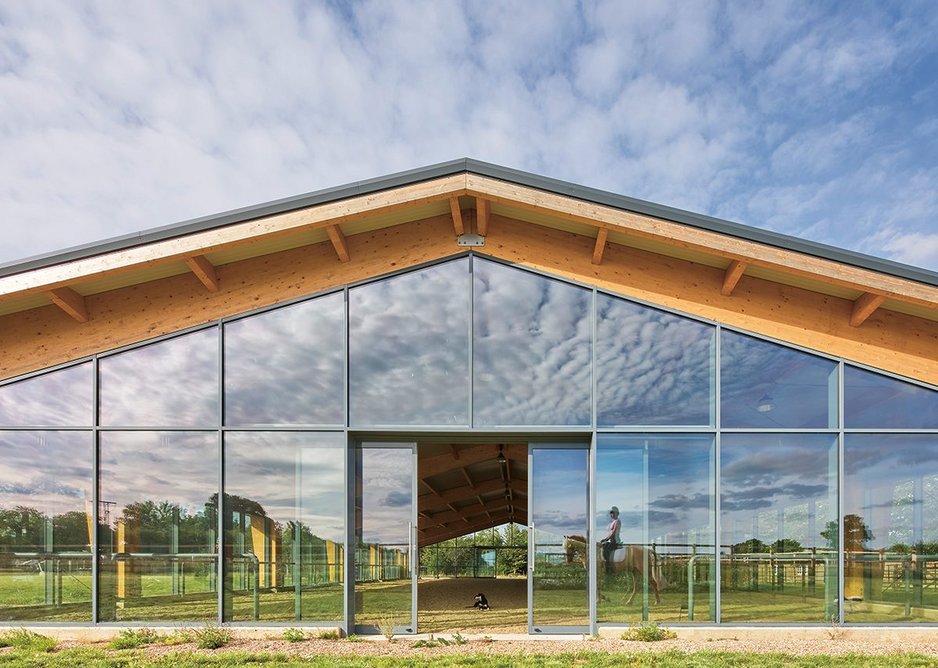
(632, 559)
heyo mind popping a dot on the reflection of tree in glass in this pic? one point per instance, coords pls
(23, 527)
(856, 534)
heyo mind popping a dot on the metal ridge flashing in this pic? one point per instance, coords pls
(469, 165)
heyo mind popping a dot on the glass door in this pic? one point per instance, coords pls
(385, 538)
(558, 538)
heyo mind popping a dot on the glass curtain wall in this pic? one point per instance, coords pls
(758, 434)
(654, 528)
(284, 533)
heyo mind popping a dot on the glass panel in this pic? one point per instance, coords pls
(384, 527)
(656, 492)
(158, 496)
(874, 401)
(652, 367)
(45, 526)
(779, 528)
(559, 512)
(57, 399)
(284, 509)
(531, 349)
(891, 527)
(287, 366)
(765, 385)
(173, 383)
(409, 348)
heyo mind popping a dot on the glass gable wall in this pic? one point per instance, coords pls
(731, 461)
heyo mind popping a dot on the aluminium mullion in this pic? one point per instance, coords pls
(472, 316)
(95, 473)
(716, 615)
(220, 506)
(841, 542)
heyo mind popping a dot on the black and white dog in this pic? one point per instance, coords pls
(481, 602)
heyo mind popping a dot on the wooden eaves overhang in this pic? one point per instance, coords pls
(65, 306)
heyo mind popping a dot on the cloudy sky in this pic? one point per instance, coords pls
(811, 120)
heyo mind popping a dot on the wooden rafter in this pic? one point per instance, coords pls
(864, 307)
(600, 246)
(457, 216)
(457, 494)
(204, 271)
(71, 302)
(441, 533)
(482, 215)
(734, 272)
(338, 242)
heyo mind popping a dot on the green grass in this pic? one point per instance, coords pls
(97, 658)
(28, 641)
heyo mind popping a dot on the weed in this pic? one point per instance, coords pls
(354, 638)
(180, 636)
(133, 638)
(386, 627)
(329, 635)
(459, 639)
(294, 635)
(211, 637)
(648, 632)
(25, 639)
(437, 642)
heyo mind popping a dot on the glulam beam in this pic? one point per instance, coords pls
(734, 272)
(457, 216)
(600, 246)
(864, 307)
(483, 211)
(204, 271)
(338, 242)
(71, 302)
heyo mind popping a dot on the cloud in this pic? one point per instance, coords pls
(118, 118)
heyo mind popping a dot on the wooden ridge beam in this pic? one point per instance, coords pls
(338, 242)
(204, 271)
(864, 307)
(600, 246)
(71, 302)
(734, 272)
(483, 210)
(457, 216)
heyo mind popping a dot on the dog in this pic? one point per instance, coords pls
(481, 602)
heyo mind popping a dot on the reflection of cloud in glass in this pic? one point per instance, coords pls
(170, 383)
(47, 471)
(770, 386)
(178, 467)
(679, 507)
(59, 398)
(778, 486)
(874, 401)
(287, 366)
(652, 367)
(531, 348)
(891, 483)
(266, 468)
(409, 348)
(386, 472)
(559, 491)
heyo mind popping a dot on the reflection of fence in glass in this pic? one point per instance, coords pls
(382, 563)
(472, 561)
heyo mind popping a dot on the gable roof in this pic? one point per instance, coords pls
(128, 289)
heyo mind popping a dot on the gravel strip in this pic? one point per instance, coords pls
(402, 647)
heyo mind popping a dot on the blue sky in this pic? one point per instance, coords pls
(813, 119)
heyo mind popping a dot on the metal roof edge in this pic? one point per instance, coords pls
(470, 165)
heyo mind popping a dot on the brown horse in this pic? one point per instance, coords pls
(633, 559)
